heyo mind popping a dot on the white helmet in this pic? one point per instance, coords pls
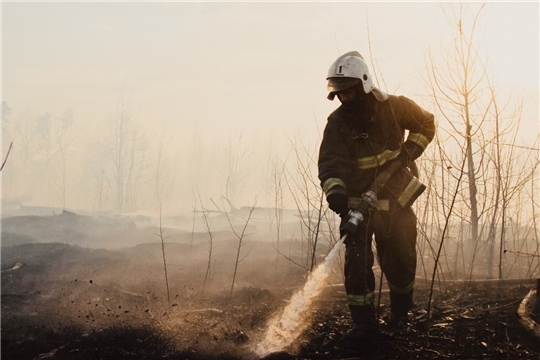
(347, 71)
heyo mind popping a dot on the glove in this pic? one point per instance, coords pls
(338, 203)
(359, 215)
(409, 152)
(404, 158)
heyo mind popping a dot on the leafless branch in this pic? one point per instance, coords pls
(7, 155)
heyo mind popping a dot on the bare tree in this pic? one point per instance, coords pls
(457, 91)
(162, 238)
(441, 244)
(64, 134)
(164, 169)
(240, 236)
(124, 153)
(30, 135)
(210, 242)
(308, 197)
(472, 110)
(236, 157)
(276, 192)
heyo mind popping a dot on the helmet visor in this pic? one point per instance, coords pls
(336, 84)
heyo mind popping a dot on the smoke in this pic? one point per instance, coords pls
(284, 329)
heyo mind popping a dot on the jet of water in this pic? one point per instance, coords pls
(283, 330)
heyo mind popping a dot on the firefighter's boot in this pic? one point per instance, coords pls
(400, 304)
(364, 322)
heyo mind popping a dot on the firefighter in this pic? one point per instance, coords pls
(362, 137)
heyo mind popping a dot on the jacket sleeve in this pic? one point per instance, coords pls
(421, 126)
(333, 160)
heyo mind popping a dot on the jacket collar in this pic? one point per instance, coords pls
(379, 94)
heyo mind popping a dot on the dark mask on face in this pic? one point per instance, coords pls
(362, 106)
(357, 101)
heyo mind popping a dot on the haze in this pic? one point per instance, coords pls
(160, 194)
(203, 77)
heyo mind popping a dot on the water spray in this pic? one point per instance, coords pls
(285, 327)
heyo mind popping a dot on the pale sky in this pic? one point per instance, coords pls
(173, 58)
(210, 67)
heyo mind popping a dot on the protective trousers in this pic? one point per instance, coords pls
(395, 238)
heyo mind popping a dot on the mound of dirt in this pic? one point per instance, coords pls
(73, 229)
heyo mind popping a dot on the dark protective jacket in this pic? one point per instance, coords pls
(354, 151)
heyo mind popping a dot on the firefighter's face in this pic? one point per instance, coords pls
(347, 95)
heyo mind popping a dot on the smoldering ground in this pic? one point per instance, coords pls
(82, 298)
(91, 283)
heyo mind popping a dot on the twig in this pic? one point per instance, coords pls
(521, 253)
(447, 220)
(5, 159)
(240, 238)
(318, 225)
(288, 258)
(210, 243)
(161, 232)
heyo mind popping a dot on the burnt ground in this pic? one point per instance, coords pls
(75, 302)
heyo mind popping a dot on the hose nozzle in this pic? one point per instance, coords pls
(357, 216)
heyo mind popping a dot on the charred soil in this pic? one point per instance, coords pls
(69, 302)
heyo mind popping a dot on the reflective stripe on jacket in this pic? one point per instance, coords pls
(353, 152)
